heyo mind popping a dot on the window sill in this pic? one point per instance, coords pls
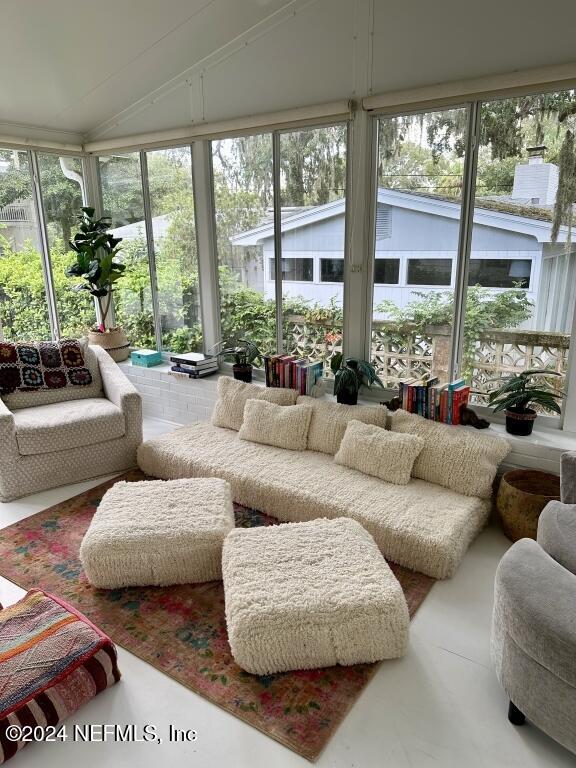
(542, 437)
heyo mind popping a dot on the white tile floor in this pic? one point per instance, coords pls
(439, 706)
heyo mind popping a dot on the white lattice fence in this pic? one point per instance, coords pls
(504, 352)
(407, 353)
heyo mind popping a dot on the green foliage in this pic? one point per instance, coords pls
(350, 374)
(520, 392)
(566, 195)
(24, 312)
(243, 351)
(95, 249)
(485, 310)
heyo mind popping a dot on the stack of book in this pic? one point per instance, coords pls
(435, 401)
(195, 364)
(292, 372)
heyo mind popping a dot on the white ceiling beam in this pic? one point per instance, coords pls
(553, 77)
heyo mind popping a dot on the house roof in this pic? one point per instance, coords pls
(488, 213)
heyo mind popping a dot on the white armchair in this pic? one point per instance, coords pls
(47, 445)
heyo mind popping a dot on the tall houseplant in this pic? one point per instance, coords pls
(96, 250)
(351, 374)
(518, 393)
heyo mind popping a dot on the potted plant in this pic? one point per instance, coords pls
(96, 264)
(351, 374)
(244, 353)
(518, 393)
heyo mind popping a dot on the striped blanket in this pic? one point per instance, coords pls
(52, 661)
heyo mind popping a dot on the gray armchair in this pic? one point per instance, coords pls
(534, 623)
(55, 443)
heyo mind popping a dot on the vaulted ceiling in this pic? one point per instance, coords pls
(116, 67)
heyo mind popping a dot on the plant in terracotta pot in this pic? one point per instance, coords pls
(96, 250)
(519, 392)
(244, 353)
(351, 374)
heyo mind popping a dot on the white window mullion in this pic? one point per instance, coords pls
(361, 189)
(277, 240)
(569, 409)
(150, 248)
(465, 234)
(205, 218)
(44, 246)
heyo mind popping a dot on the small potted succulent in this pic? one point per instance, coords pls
(518, 393)
(351, 374)
(244, 353)
(96, 264)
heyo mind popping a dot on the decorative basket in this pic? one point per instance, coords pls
(114, 341)
(522, 495)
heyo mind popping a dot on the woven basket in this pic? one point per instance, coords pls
(114, 341)
(522, 495)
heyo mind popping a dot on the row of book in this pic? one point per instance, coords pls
(195, 364)
(434, 401)
(292, 372)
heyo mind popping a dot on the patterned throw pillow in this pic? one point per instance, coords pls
(35, 366)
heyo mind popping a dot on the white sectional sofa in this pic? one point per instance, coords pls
(422, 525)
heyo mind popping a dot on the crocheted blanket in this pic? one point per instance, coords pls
(42, 365)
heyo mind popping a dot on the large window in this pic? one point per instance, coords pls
(313, 199)
(418, 209)
(23, 303)
(243, 198)
(515, 278)
(521, 316)
(123, 201)
(62, 185)
(176, 257)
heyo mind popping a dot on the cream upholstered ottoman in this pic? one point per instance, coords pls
(306, 595)
(158, 532)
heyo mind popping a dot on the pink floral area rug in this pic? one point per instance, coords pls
(181, 630)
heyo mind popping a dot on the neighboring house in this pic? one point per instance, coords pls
(416, 247)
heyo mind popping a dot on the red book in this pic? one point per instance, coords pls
(460, 397)
(444, 406)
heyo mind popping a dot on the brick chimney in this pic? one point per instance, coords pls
(535, 182)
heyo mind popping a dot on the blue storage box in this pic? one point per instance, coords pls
(146, 357)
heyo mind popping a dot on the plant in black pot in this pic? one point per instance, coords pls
(519, 392)
(351, 374)
(244, 353)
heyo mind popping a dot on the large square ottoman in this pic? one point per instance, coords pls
(52, 662)
(158, 532)
(313, 594)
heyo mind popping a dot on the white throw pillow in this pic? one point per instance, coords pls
(459, 458)
(329, 421)
(232, 395)
(285, 426)
(378, 452)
